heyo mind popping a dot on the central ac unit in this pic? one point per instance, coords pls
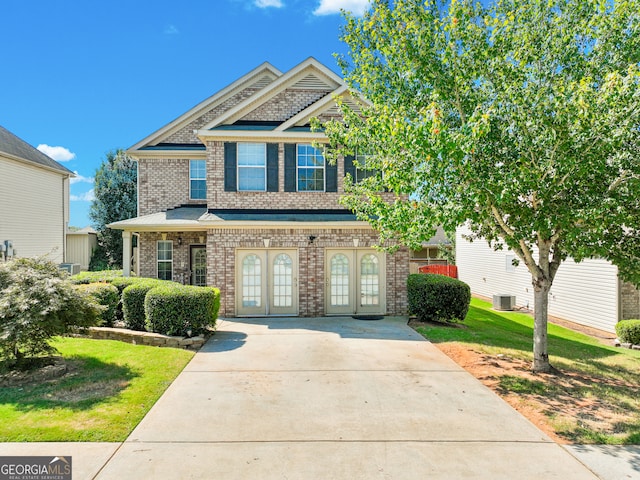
(72, 268)
(504, 302)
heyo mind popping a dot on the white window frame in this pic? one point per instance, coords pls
(192, 178)
(298, 167)
(159, 261)
(262, 167)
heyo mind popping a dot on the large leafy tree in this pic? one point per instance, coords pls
(115, 199)
(520, 119)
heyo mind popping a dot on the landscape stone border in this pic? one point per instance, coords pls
(617, 343)
(146, 338)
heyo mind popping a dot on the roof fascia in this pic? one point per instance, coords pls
(242, 225)
(63, 171)
(210, 102)
(273, 89)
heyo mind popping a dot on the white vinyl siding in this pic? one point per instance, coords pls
(35, 206)
(584, 293)
(79, 249)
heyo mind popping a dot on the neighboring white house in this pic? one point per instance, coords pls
(80, 245)
(34, 198)
(588, 293)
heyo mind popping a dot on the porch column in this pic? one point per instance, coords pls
(126, 253)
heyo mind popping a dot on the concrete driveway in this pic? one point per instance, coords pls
(332, 398)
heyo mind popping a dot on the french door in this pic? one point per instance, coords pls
(266, 282)
(354, 282)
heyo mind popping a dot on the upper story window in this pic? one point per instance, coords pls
(198, 179)
(252, 167)
(310, 164)
(361, 172)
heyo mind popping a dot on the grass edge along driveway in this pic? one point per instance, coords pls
(593, 400)
(109, 388)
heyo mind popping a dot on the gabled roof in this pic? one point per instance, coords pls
(259, 77)
(16, 148)
(309, 74)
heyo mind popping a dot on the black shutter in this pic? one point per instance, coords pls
(230, 170)
(349, 166)
(290, 167)
(272, 167)
(331, 180)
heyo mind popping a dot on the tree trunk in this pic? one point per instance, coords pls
(541, 289)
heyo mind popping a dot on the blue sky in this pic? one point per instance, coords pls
(89, 77)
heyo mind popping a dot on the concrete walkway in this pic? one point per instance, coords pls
(330, 398)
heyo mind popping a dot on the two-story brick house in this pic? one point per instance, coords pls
(233, 194)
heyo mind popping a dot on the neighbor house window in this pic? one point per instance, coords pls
(310, 169)
(252, 167)
(197, 179)
(165, 259)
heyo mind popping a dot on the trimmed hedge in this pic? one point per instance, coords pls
(133, 302)
(84, 278)
(438, 298)
(181, 310)
(106, 295)
(628, 331)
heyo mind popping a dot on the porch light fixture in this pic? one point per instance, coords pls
(267, 242)
(179, 240)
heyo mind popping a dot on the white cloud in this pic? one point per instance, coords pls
(269, 3)
(83, 197)
(79, 178)
(59, 154)
(171, 30)
(328, 7)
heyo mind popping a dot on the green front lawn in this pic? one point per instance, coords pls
(595, 397)
(110, 387)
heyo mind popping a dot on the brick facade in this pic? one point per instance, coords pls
(163, 183)
(285, 105)
(221, 260)
(629, 301)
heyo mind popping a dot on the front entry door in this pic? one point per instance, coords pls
(354, 282)
(267, 282)
(198, 265)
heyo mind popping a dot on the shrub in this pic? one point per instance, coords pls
(133, 302)
(181, 309)
(84, 278)
(106, 295)
(37, 302)
(628, 331)
(438, 298)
